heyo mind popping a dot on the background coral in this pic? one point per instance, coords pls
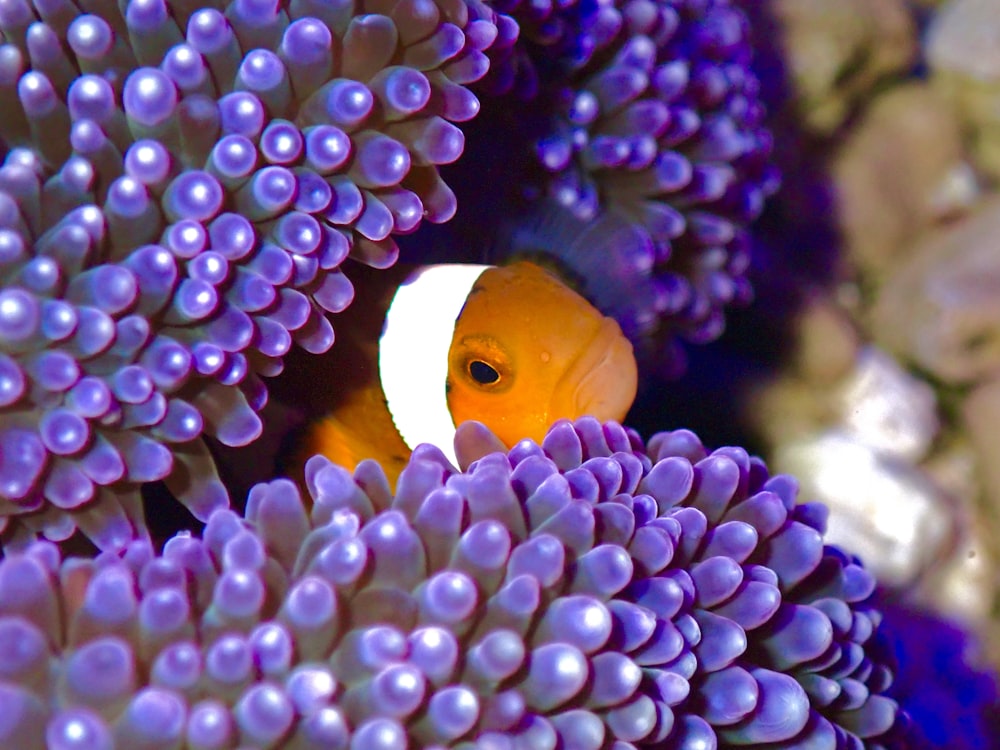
(586, 591)
(894, 197)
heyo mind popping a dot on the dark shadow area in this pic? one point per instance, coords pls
(489, 181)
(166, 516)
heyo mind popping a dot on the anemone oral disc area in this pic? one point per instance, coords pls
(413, 352)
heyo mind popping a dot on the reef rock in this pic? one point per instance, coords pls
(963, 585)
(887, 407)
(901, 169)
(798, 403)
(855, 427)
(838, 49)
(861, 459)
(827, 343)
(980, 416)
(941, 310)
(882, 508)
(964, 57)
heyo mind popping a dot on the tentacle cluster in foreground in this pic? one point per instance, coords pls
(590, 591)
(182, 182)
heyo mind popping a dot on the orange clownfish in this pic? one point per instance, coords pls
(510, 346)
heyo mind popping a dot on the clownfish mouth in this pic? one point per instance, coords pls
(602, 381)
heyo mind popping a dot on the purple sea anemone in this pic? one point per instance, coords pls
(586, 593)
(655, 129)
(181, 184)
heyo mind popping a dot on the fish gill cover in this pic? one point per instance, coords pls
(591, 592)
(182, 182)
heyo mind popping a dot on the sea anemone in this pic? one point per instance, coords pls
(654, 124)
(590, 592)
(181, 184)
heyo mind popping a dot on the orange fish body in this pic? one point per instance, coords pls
(555, 356)
(514, 348)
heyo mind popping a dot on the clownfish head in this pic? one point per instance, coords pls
(512, 347)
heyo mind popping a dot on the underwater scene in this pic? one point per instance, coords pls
(499, 375)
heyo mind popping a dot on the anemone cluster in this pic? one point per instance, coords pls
(654, 118)
(181, 185)
(586, 593)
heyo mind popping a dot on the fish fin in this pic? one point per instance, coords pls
(607, 259)
(360, 428)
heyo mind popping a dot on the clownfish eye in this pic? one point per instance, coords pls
(483, 373)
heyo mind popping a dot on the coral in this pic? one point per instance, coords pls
(942, 679)
(182, 183)
(654, 118)
(915, 163)
(590, 591)
(963, 64)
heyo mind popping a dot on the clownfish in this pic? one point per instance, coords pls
(432, 346)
